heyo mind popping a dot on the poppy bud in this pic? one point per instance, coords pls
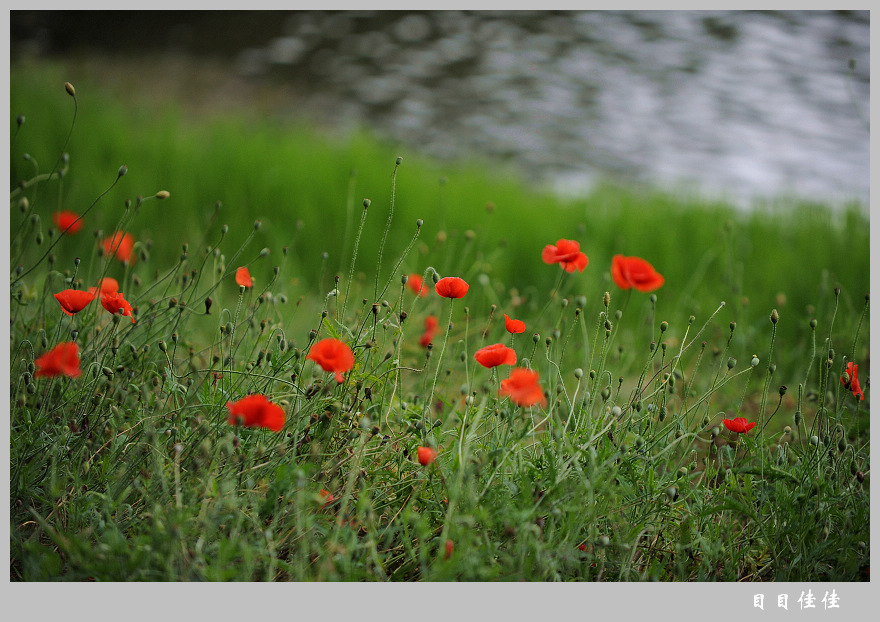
(162, 346)
(366, 203)
(70, 91)
(578, 373)
(163, 194)
(731, 363)
(20, 120)
(755, 361)
(860, 476)
(663, 326)
(606, 299)
(419, 223)
(264, 252)
(536, 337)
(122, 170)
(774, 316)
(653, 299)
(257, 225)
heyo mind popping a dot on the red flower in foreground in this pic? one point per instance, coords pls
(326, 497)
(635, 272)
(740, 425)
(426, 455)
(243, 277)
(495, 355)
(451, 287)
(430, 331)
(121, 244)
(332, 355)
(62, 359)
(115, 303)
(523, 388)
(107, 285)
(514, 326)
(417, 285)
(567, 253)
(449, 547)
(67, 222)
(256, 411)
(853, 385)
(74, 300)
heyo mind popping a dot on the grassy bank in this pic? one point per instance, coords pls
(620, 467)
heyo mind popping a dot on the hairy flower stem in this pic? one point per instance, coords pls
(387, 228)
(357, 241)
(430, 399)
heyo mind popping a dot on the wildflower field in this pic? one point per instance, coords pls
(243, 350)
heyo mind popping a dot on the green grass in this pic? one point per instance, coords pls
(132, 472)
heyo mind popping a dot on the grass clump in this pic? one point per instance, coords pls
(288, 426)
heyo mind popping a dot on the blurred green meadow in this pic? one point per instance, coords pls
(132, 471)
(307, 185)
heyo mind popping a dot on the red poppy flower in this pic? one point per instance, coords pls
(115, 303)
(567, 253)
(243, 277)
(430, 331)
(417, 285)
(451, 287)
(635, 272)
(74, 300)
(62, 359)
(740, 425)
(107, 285)
(495, 355)
(67, 222)
(426, 455)
(332, 355)
(449, 547)
(326, 497)
(121, 244)
(523, 388)
(514, 326)
(255, 411)
(853, 370)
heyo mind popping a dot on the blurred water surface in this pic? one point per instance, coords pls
(743, 105)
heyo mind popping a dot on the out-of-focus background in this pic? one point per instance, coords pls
(739, 105)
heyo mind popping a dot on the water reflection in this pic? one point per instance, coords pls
(744, 104)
